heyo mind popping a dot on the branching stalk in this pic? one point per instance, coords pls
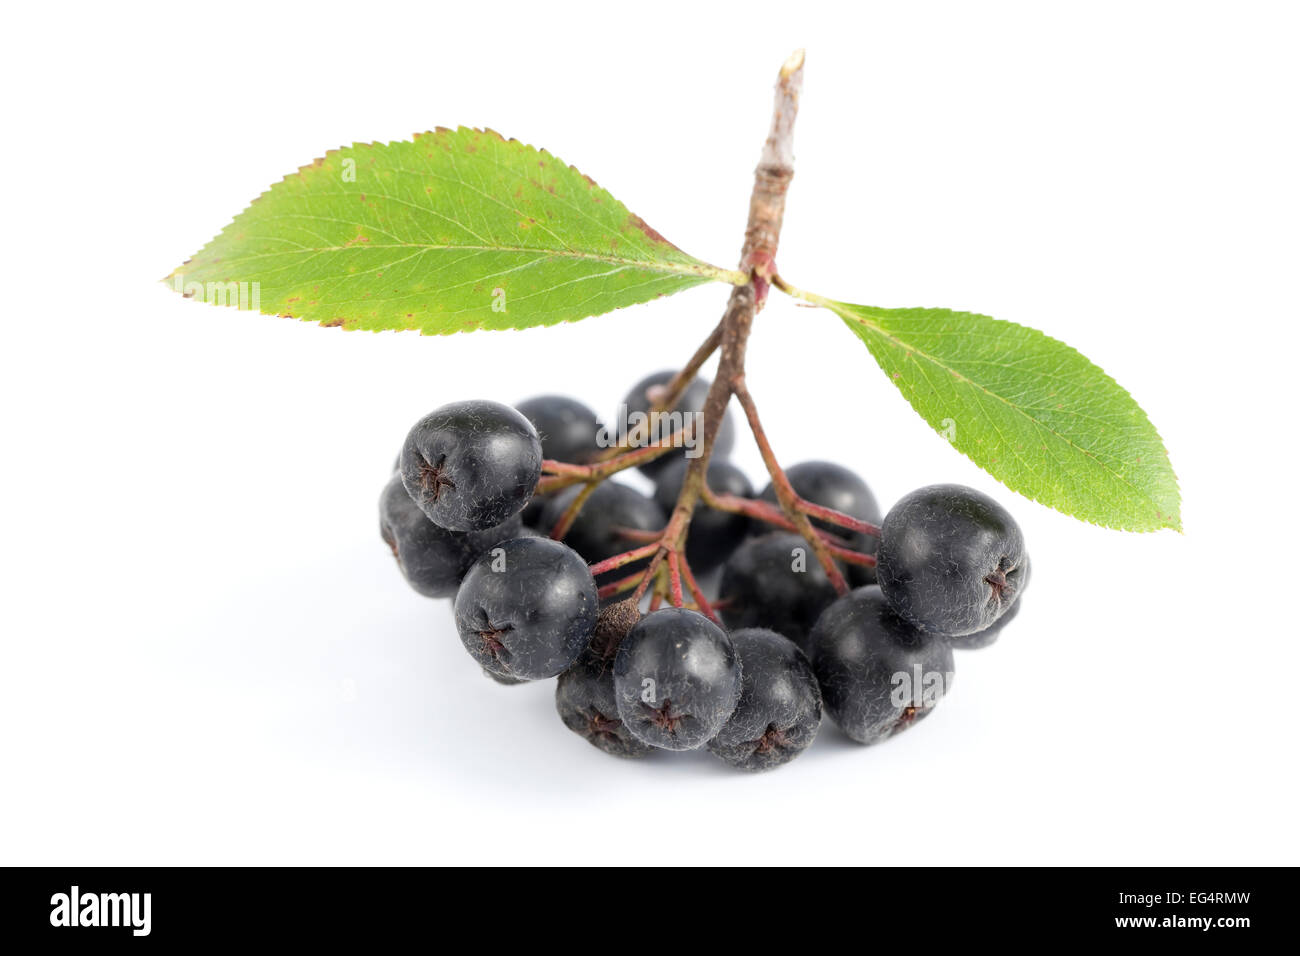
(668, 570)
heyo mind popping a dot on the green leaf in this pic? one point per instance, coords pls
(1029, 410)
(454, 231)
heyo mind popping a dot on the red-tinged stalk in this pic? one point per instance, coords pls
(627, 557)
(729, 339)
(675, 578)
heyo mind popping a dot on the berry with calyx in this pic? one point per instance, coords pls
(879, 675)
(676, 679)
(951, 560)
(567, 428)
(611, 508)
(471, 465)
(636, 407)
(988, 636)
(713, 534)
(834, 486)
(527, 608)
(584, 698)
(432, 559)
(780, 704)
(774, 581)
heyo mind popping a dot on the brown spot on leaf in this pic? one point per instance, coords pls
(639, 223)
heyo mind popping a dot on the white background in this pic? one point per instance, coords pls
(208, 655)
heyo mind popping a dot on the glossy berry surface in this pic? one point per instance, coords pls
(596, 533)
(527, 608)
(879, 675)
(834, 486)
(638, 400)
(471, 465)
(951, 560)
(676, 679)
(713, 535)
(432, 559)
(780, 705)
(567, 428)
(774, 581)
(584, 699)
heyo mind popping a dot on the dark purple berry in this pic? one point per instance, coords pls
(951, 560)
(471, 465)
(432, 559)
(676, 679)
(780, 704)
(879, 675)
(584, 698)
(834, 486)
(776, 582)
(636, 407)
(597, 534)
(527, 608)
(713, 535)
(567, 428)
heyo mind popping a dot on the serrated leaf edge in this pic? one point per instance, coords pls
(700, 269)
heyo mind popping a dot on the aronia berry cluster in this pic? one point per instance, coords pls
(746, 674)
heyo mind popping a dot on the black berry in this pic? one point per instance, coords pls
(527, 608)
(584, 698)
(567, 428)
(676, 679)
(471, 465)
(432, 559)
(834, 486)
(774, 581)
(637, 404)
(780, 704)
(879, 675)
(597, 533)
(713, 534)
(951, 560)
